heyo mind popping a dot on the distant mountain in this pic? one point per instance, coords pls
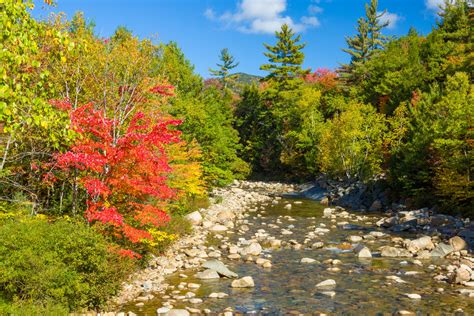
(244, 78)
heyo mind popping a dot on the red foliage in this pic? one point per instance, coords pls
(165, 90)
(122, 169)
(323, 76)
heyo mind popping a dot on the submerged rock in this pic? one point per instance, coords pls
(207, 275)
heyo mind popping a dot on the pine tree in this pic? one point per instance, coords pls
(367, 40)
(228, 63)
(285, 59)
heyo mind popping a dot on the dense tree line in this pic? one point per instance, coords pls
(402, 106)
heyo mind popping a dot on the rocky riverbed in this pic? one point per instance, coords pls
(257, 250)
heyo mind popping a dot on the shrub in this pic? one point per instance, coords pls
(61, 262)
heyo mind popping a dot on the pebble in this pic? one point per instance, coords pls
(244, 282)
(413, 296)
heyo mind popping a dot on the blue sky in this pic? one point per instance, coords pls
(203, 27)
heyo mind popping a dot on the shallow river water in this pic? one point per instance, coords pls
(289, 286)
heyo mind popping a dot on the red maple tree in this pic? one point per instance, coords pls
(125, 176)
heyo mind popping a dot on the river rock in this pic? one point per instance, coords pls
(330, 283)
(354, 239)
(363, 252)
(457, 243)
(162, 310)
(178, 312)
(220, 268)
(218, 228)
(218, 295)
(317, 245)
(413, 296)
(224, 216)
(195, 218)
(307, 260)
(195, 301)
(253, 249)
(442, 250)
(244, 282)
(462, 275)
(388, 251)
(421, 243)
(207, 275)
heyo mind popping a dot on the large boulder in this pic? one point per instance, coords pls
(195, 218)
(220, 268)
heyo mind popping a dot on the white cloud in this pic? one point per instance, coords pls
(391, 18)
(210, 14)
(262, 16)
(310, 20)
(314, 9)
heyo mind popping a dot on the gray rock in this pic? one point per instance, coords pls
(207, 275)
(404, 226)
(220, 268)
(442, 250)
(195, 218)
(243, 282)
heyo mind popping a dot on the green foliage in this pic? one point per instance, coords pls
(257, 130)
(285, 60)
(62, 263)
(364, 44)
(30, 127)
(208, 119)
(228, 63)
(438, 156)
(351, 144)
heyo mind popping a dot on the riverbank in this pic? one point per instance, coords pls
(417, 241)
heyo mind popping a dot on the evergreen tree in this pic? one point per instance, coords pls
(228, 63)
(285, 59)
(362, 46)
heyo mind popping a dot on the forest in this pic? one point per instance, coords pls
(106, 143)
